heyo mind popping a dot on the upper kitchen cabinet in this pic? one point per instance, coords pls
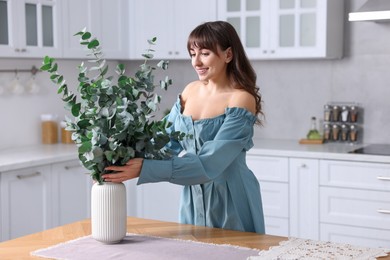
(29, 28)
(106, 20)
(287, 29)
(171, 21)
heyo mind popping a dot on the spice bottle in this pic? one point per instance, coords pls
(354, 114)
(327, 113)
(344, 132)
(344, 114)
(327, 132)
(353, 133)
(335, 113)
(335, 132)
(49, 129)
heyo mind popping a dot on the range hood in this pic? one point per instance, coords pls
(372, 10)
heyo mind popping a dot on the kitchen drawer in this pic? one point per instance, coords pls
(268, 168)
(355, 207)
(375, 176)
(367, 237)
(276, 226)
(275, 198)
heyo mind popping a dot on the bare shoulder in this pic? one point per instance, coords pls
(243, 99)
(190, 89)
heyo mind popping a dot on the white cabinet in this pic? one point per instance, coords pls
(159, 201)
(106, 20)
(171, 21)
(26, 201)
(72, 198)
(272, 174)
(355, 202)
(284, 29)
(30, 28)
(304, 179)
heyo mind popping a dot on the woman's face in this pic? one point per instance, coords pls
(208, 64)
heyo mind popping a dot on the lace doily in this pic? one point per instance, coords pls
(298, 248)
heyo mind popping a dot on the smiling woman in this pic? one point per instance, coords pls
(219, 110)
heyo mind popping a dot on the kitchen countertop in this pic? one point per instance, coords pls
(20, 248)
(29, 156)
(331, 151)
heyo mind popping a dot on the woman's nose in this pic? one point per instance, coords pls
(196, 60)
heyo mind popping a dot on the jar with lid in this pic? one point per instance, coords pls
(66, 136)
(327, 132)
(327, 113)
(49, 129)
(344, 114)
(335, 132)
(335, 113)
(353, 114)
(353, 133)
(344, 132)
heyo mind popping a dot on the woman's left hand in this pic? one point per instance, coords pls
(131, 170)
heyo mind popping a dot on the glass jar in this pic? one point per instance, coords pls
(344, 115)
(353, 133)
(335, 113)
(344, 133)
(327, 132)
(353, 114)
(66, 136)
(49, 129)
(327, 113)
(335, 132)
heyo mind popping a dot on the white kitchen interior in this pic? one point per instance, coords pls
(316, 191)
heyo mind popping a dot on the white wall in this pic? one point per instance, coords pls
(293, 91)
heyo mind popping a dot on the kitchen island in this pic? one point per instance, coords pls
(20, 248)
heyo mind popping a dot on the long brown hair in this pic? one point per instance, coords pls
(209, 36)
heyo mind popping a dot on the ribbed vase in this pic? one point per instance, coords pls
(108, 212)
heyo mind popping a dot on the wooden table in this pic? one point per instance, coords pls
(20, 248)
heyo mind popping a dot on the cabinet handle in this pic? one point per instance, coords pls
(20, 50)
(70, 167)
(272, 51)
(21, 177)
(176, 53)
(303, 165)
(384, 211)
(170, 53)
(383, 178)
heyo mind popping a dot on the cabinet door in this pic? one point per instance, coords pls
(250, 19)
(304, 198)
(106, 20)
(26, 199)
(284, 29)
(72, 184)
(33, 28)
(159, 201)
(171, 22)
(366, 237)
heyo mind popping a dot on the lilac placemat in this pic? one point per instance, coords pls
(142, 247)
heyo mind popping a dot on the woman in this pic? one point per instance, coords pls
(219, 110)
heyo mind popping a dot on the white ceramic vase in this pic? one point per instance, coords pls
(108, 212)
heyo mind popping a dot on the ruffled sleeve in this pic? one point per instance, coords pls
(234, 137)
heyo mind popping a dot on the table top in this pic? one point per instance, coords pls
(20, 248)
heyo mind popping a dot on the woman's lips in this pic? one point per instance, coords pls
(201, 71)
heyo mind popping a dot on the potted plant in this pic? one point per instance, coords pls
(113, 122)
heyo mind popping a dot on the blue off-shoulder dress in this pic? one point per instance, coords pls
(219, 189)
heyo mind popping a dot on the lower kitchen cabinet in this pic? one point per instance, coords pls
(37, 198)
(72, 185)
(304, 175)
(272, 174)
(159, 201)
(355, 202)
(26, 201)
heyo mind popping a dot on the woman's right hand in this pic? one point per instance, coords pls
(131, 170)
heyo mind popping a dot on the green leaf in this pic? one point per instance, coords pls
(86, 36)
(93, 44)
(76, 109)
